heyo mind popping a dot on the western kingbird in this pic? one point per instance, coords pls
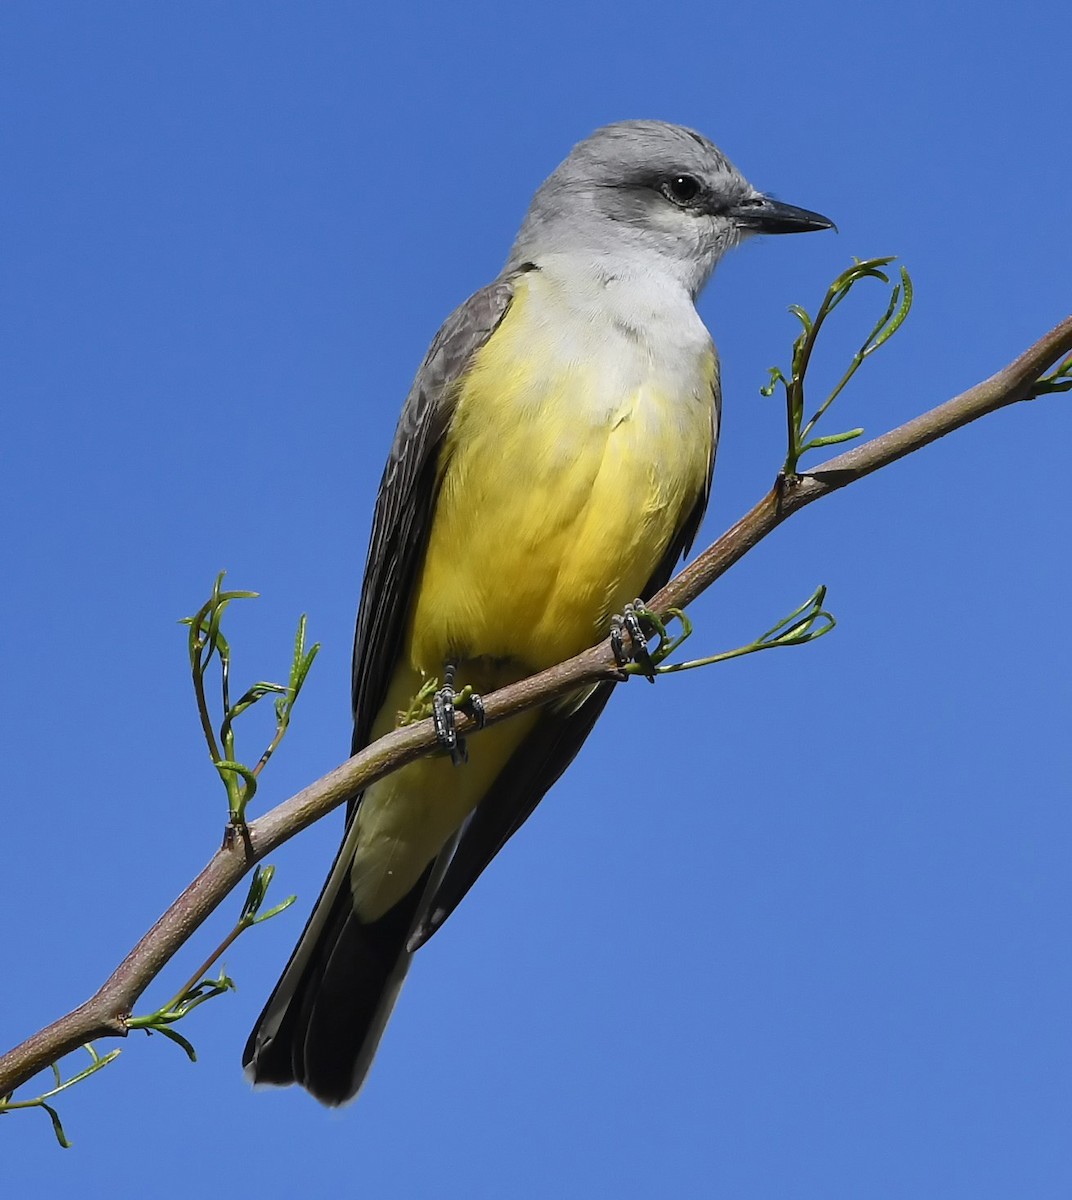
(552, 462)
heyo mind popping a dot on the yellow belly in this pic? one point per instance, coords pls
(563, 482)
(560, 495)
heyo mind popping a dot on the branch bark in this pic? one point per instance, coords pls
(106, 1012)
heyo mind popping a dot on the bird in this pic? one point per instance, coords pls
(552, 463)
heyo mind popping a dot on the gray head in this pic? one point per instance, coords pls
(648, 197)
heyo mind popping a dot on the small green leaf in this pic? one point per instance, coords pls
(832, 439)
(802, 316)
(776, 377)
(274, 912)
(57, 1125)
(177, 1038)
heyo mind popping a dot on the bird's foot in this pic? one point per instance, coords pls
(446, 703)
(628, 640)
(629, 634)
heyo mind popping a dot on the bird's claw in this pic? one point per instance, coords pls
(628, 641)
(445, 705)
(443, 718)
(472, 705)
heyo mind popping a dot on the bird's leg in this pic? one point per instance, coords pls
(628, 641)
(445, 704)
(443, 717)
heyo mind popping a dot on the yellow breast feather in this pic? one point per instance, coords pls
(567, 471)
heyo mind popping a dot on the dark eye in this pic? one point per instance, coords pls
(681, 189)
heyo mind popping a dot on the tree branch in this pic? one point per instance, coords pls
(105, 1014)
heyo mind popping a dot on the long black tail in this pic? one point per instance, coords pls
(323, 1022)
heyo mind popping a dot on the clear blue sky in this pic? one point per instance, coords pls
(795, 928)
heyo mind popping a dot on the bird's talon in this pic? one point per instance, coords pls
(617, 642)
(473, 706)
(628, 626)
(443, 719)
(445, 706)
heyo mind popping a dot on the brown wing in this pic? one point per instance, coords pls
(541, 758)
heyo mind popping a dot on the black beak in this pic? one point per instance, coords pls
(761, 214)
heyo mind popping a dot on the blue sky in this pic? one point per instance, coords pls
(797, 927)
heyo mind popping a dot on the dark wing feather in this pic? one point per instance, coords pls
(543, 756)
(406, 500)
(321, 1025)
